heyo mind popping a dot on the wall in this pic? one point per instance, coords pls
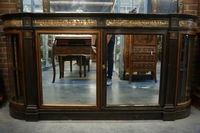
(192, 7)
(9, 6)
(6, 6)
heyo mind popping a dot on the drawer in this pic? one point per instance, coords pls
(62, 42)
(71, 50)
(143, 65)
(58, 50)
(143, 57)
(75, 51)
(142, 49)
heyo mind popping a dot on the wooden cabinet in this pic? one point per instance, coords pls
(140, 55)
(1, 98)
(22, 31)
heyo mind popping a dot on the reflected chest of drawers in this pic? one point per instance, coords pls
(141, 55)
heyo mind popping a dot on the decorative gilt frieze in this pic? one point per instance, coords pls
(137, 23)
(11, 23)
(66, 22)
(188, 24)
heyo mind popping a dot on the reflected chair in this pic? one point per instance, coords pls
(80, 60)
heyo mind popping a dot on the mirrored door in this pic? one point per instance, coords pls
(68, 68)
(137, 81)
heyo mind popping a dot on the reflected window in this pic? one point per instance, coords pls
(120, 6)
(32, 6)
(167, 6)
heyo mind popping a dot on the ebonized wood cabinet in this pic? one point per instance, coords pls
(22, 32)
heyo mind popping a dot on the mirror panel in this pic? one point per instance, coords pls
(15, 66)
(75, 69)
(185, 68)
(136, 70)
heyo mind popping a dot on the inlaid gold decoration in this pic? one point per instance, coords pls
(174, 22)
(173, 35)
(45, 6)
(154, 6)
(138, 23)
(180, 6)
(12, 23)
(19, 5)
(66, 22)
(188, 24)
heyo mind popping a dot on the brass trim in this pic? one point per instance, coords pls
(154, 6)
(137, 23)
(46, 6)
(180, 6)
(65, 22)
(10, 23)
(103, 66)
(187, 24)
(19, 6)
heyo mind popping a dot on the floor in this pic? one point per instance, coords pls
(73, 89)
(191, 124)
(116, 95)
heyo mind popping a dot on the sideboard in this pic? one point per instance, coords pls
(22, 32)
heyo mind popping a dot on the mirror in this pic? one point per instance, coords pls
(136, 70)
(75, 69)
(185, 75)
(138, 55)
(120, 6)
(15, 65)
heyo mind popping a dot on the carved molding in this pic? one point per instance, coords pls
(187, 24)
(66, 22)
(138, 23)
(10, 23)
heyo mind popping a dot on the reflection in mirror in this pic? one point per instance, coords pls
(185, 70)
(136, 70)
(15, 68)
(32, 5)
(74, 78)
(167, 6)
